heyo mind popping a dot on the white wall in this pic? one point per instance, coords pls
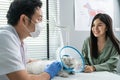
(117, 18)
(67, 19)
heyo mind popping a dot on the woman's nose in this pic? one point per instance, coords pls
(95, 28)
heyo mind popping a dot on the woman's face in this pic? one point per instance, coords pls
(99, 28)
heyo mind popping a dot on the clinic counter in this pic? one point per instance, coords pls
(91, 76)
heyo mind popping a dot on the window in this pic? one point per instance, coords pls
(37, 47)
(4, 5)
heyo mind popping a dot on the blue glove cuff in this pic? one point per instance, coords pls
(53, 69)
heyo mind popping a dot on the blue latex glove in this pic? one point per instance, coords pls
(53, 68)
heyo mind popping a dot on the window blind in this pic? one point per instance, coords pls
(37, 48)
(4, 5)
(54, 31)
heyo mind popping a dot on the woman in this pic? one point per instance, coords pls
(101, 51)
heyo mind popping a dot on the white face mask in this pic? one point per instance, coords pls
(38, 29)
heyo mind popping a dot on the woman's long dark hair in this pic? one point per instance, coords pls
(109, 33)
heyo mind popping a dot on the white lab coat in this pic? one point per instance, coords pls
(12, 57)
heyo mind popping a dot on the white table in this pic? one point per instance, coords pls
(91, 76)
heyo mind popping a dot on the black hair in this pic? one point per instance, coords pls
(105, 18)
(19, 7)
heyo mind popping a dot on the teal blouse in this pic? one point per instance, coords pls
(107, 60)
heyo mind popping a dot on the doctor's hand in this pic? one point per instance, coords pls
(89, 69)
(53, 68)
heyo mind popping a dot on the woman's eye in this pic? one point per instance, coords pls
(99, 25)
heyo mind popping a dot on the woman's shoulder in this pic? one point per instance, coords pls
(109, 42)
(87, 39)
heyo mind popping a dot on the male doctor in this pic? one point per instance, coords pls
(24, 19)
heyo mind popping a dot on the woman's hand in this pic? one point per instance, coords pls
(89, 69)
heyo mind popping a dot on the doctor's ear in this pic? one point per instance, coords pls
(24, 19)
